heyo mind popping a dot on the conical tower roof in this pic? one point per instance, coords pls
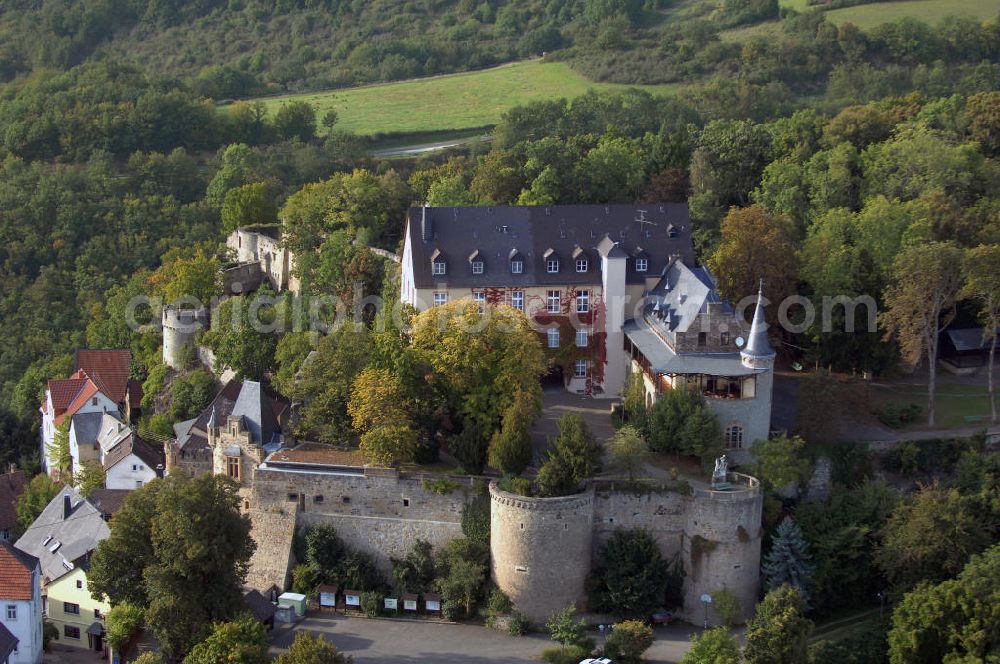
(758, 345)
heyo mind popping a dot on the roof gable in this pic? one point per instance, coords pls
(61, 540)
(108, 368)
(17, 568)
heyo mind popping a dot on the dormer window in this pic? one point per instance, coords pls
(671, 231)
(476, 261)
(551, 261)
(580, 259)
(581, 264)
(641, 264)
(516, 266)
(439, 267)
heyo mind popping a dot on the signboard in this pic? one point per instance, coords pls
(353, 600)
(390, 603)
(409, 605)
(327, 599)
(433, 605)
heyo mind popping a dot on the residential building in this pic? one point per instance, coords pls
(132, 463)
(100, 383)
(63, 537)
(108, 501)
(21, 604)
(265, 414)
(84, 429)
(12, 485)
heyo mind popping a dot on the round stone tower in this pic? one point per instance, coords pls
(179, 329)
(721, 549)
(541, 550)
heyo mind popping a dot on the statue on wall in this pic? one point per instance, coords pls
(721, 471)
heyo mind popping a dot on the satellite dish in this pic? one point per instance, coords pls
(740, 341)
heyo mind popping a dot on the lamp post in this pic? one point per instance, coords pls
(881, 608)
(706, 599)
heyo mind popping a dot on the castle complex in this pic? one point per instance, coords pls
(617, 284)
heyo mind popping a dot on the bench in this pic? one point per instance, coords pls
(971, 419)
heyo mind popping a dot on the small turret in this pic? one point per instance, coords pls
(758, 353)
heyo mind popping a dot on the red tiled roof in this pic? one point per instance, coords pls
(108, 368)
(11, 487)
(88, 390)
(16, 567)
(64, 391)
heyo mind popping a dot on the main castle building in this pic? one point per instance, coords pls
(613, 290)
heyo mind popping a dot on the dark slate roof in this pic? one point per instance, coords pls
(456, 233)
(87, 426)
(7, 643)
(108, 501)
(969, 339)
(151, 455)
(248, 399)
(61, 541)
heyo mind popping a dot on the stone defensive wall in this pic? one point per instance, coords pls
(381, 512)
(542, 549)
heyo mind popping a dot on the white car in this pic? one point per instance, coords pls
(602, 660)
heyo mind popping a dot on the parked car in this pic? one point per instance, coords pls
(602, 660)
(662, 617)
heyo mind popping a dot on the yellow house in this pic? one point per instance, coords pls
(78, 616)
(63, 537)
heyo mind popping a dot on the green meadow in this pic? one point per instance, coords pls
(450, 102)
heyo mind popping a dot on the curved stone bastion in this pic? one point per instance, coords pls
(544, 548)
(541, 549)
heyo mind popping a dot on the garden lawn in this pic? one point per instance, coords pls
(953, 403)
(450, 102)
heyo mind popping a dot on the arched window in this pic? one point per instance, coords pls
(734, 437)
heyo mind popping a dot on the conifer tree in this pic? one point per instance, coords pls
(788, 560)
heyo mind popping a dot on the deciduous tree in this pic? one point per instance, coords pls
(312, 649)
(982, 283)
(920, 303)
(36, 497)
(713, 646)
(628, 450)
(248, 205)
(243, 640)
(778, 632)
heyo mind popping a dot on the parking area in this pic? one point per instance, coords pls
(411, 641)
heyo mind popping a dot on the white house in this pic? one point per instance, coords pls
(132, 463)
(21, 603)
(65, 398)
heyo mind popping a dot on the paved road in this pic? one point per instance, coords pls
(413, 150)
(412, 641)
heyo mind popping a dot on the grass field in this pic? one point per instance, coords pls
(451, 102)
(870, 15)
(952, 403)
(929, 11)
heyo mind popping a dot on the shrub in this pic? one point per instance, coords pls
(565, 655)
(903, 459)
(519, 625)
(727, 606)
(371, 603)
(565, 629)
(49, 632)
(897, 416)
(498, 603)
(441, 487)
(628, 640)
(518, 485)
(476, 520)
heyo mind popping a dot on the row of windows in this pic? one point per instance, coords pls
(582, 338)
(553, 300)
(439, 268)
(724, 338)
